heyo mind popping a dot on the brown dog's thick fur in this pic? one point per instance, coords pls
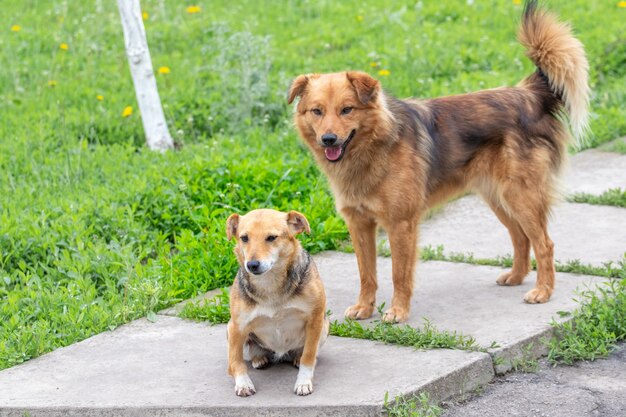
(390, 160)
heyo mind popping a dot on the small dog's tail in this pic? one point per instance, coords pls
(551, 45)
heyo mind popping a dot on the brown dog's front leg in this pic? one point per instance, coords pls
(403, 243)
(363, 234)
(313, 333)
(237, 367)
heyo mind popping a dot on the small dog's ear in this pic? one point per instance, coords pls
(297, 222)
(231, 226)
(297, 88)
(366, 87)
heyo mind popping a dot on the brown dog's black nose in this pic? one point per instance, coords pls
(253, 266)
(329, 139)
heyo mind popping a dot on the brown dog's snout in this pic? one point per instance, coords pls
(329, 139)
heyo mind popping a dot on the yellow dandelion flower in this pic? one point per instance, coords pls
(359, 18)
(384, 72)
(373, 64)
(16, 28)
(52, 83)
(517, 2)
(193, 9)
(145, 15)
(99, 97)
(128, 110)
(621, 4)
(164, 70)
(64, 46)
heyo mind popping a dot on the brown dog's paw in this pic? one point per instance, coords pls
(260, 362)
(396, 315)
(508, 278)
(359, 312)
(538, 295)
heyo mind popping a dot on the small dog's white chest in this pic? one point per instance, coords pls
(281, 330)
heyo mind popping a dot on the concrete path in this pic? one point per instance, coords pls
(595, 172)
(588, 233)
(462, 298)
(178, 367)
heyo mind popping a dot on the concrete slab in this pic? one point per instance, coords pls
(595, 172)
(178, 368)
(463, 298)
(591, 234)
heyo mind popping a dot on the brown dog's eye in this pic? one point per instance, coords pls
(316, 112)
(270, 238)
(244, 238)
(346, 110)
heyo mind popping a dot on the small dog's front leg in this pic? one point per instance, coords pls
(237, 367)
(313, 329)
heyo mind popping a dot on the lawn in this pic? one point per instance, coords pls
(96, 230)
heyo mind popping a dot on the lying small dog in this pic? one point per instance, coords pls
(388, 160)
(277, 302)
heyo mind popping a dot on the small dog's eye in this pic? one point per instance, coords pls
(316, 112)
(270, 238)
(244, 238)
(346, 110)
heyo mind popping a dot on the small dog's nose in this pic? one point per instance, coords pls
(329, 139)
(253, 266)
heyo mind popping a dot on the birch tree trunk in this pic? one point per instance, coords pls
(152, 117)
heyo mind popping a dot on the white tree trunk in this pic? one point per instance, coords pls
(154, 124)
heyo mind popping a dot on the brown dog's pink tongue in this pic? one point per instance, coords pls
(333, 153)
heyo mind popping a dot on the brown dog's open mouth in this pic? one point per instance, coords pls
(335, 153)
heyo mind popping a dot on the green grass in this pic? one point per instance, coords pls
(609, 269)
(215, 310)
(96, 231)
(426, 337)
(527, 362)
(594, 327)
(612, 197)
(411, 406)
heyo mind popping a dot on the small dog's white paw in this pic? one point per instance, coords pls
(304, 383)
(303, 388)
(244, 386)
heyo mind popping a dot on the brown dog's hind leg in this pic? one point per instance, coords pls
(403, 243)
(530, 208)
(363, 234)
(521, 248)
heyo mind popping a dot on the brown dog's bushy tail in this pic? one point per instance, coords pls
(551, 45)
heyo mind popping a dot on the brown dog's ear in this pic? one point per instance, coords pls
(297, 88)
(297, 222)
(366, 87)
(231, 226)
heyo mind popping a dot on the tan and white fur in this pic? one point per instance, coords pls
(277, 302)
(389, 161)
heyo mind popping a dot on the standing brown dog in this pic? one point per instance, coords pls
(390, 160)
